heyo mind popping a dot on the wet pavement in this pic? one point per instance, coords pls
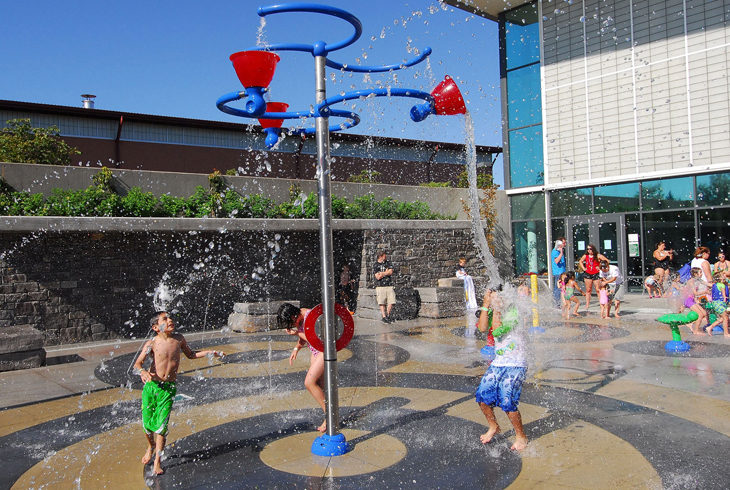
(604, 407)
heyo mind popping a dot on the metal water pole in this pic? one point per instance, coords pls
(325, 245)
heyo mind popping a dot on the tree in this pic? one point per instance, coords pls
(22, 143)
(487, 203)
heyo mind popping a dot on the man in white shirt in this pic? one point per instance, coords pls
(612, 275)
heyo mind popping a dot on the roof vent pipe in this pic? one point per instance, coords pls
(88, 101)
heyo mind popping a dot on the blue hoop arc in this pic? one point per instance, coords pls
(320, 48)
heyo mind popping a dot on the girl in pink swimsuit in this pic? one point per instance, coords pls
(291, 318)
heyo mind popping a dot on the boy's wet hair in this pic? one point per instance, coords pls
(285, 314)
(156, 317)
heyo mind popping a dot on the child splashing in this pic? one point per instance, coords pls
(292, 318)
(719, 304)
(571, 286)
(502, 383)
(603, 299)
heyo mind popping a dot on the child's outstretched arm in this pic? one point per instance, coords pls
(197, 354)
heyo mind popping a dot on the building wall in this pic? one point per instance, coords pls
(667, 60)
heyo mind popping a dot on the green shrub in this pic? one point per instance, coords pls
(96, 201)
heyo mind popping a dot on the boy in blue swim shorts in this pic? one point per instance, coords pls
(502, 383)
(159, 382)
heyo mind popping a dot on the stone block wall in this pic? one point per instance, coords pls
(76, 286)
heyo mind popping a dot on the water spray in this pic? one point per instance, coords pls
(255, 70)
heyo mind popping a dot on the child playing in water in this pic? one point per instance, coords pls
(719, 305)
(603, 298)
(652, 285)
(570, 288)
(502, 383)
(697, 294)
(159, 382)
(561, 287)
(292, 319)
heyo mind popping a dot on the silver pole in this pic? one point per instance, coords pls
(325, 245)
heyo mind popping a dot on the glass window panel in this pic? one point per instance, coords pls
(522, 36)
(677, 229)
(528, 206)
(523, 94)
(633, 264)
(529, 247)
(525, 157)
(617, 198)
(558, 229)
(713, 190)
(571, 202)
(715, 230)
(667, 193)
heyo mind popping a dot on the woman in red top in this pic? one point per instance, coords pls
(591, 264)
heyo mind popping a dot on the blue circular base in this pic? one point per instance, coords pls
(537, 330)
(677, 346)
(488, 351)
(717, 330)
(326, 445)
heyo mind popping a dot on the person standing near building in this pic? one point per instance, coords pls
(589, 262)
(558, 257)
(384, 290)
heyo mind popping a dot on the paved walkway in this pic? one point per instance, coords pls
(604, 407)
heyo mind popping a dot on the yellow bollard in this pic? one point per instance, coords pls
(533, 287)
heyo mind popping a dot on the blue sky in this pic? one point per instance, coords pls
(171, 58)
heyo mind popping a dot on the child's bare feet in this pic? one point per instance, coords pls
(520, 444)
(487, 436)
(698, 332)
(158, 466)
(616, 315)
(323, 428)
(147, 456)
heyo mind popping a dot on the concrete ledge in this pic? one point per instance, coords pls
(20, 338)
(100, 224)
(442, 302)
(407, 306)
(22, 360)
(255, 317)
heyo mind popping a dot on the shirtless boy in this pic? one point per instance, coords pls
(502, 383)
(159, 382)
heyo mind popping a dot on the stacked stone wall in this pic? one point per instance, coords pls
(78, 287)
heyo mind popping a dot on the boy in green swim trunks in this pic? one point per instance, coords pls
(159, 382)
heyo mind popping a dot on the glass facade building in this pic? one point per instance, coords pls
(616, 129)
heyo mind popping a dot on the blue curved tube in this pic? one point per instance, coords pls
(317, 9)
(323, 107)
(377, 69)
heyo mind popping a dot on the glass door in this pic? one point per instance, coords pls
(607, 232)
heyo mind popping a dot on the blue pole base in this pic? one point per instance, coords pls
(717, 330)
(537, 330)
(677, 346)
(326, 445)
(488, 351)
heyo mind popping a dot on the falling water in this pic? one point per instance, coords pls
(476, 223)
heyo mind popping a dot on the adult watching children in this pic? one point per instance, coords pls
(590, 262)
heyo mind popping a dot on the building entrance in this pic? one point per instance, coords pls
(607, 232)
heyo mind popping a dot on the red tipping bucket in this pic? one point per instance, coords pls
(448, 99)
(274, 107)
(255, 68)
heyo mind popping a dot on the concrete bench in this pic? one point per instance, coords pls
(21, 347)
(444, 301)
(406, 307)
(255, 317)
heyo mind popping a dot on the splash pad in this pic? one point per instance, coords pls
(255, 69)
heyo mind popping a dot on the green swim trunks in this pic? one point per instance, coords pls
(157, 398)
